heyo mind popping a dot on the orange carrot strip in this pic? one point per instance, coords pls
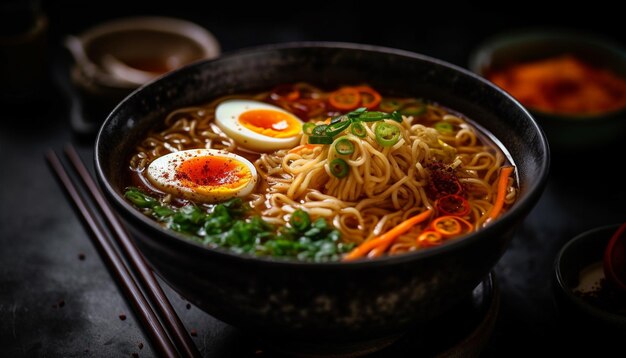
(302, 147)
(503, 180)
(387, 238)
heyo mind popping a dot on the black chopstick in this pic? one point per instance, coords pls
(169, 317)
(156, 331)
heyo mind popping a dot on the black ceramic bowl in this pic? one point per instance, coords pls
(331, 304)
(566, 133)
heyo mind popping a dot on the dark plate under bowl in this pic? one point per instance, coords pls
(340, 304)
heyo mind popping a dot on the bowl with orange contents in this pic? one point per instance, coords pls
(574, 84)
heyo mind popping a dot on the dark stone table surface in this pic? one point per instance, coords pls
(54, 304)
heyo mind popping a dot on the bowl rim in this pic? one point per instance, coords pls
(504, 223)
(483, 52)
(581, 304)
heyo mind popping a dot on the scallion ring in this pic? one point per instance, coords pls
(333, 129)
(372, 116)
(300, 220)
(357, 112)
(358, 129)
(307, 128)
(387, 134)
(339, 168)
(413, 108)
(320, 139)
(343, 146)
(390, 105)
(319, 130)
(444, 127)
(339, 119)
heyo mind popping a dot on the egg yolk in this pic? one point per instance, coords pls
(270, 123)
(213, 172)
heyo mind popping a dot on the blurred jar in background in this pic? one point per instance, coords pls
(23, 51)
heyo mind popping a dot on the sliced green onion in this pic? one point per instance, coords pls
(320, 139)
(413, 108)
(358, 129)
(390, 105)
(372, 116)
(387, 134)
(396, 116)
(162, 211)
(336, 128)
(307, 128)
(319, 130)
(339, 119)
(357, 112)
(300, 220)
(344, 146)
(339, 168)
(139, 198)
(444, 127)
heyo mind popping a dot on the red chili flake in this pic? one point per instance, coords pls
(140, 345)
(135, 355)
(81, 256)
(122, 317)
(443, 181)
(193, 333)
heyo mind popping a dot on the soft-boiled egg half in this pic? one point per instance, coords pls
(205, 175)
(258, 126)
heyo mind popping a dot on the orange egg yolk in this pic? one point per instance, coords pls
(270, 123)
(213, 171)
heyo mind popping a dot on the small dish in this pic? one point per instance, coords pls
(566, 132)
(116, 57)
(578, 268)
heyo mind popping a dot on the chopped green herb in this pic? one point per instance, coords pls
(228, 225)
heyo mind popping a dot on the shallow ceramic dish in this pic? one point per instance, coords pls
(579, 253)
(116, 57)
(338, 305)
(566, 133)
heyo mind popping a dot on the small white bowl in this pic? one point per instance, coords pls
(114, 58)
(128, 52)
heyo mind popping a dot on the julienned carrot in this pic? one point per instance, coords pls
(302, 147)
(383, 241)
(503, 182)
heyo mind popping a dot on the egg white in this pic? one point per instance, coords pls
(162, 174)
(227, 118)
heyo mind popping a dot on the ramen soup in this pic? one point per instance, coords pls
(306, 174)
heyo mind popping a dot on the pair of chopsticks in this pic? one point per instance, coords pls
(180, 343)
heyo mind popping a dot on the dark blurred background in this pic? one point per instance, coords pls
(444, 29)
